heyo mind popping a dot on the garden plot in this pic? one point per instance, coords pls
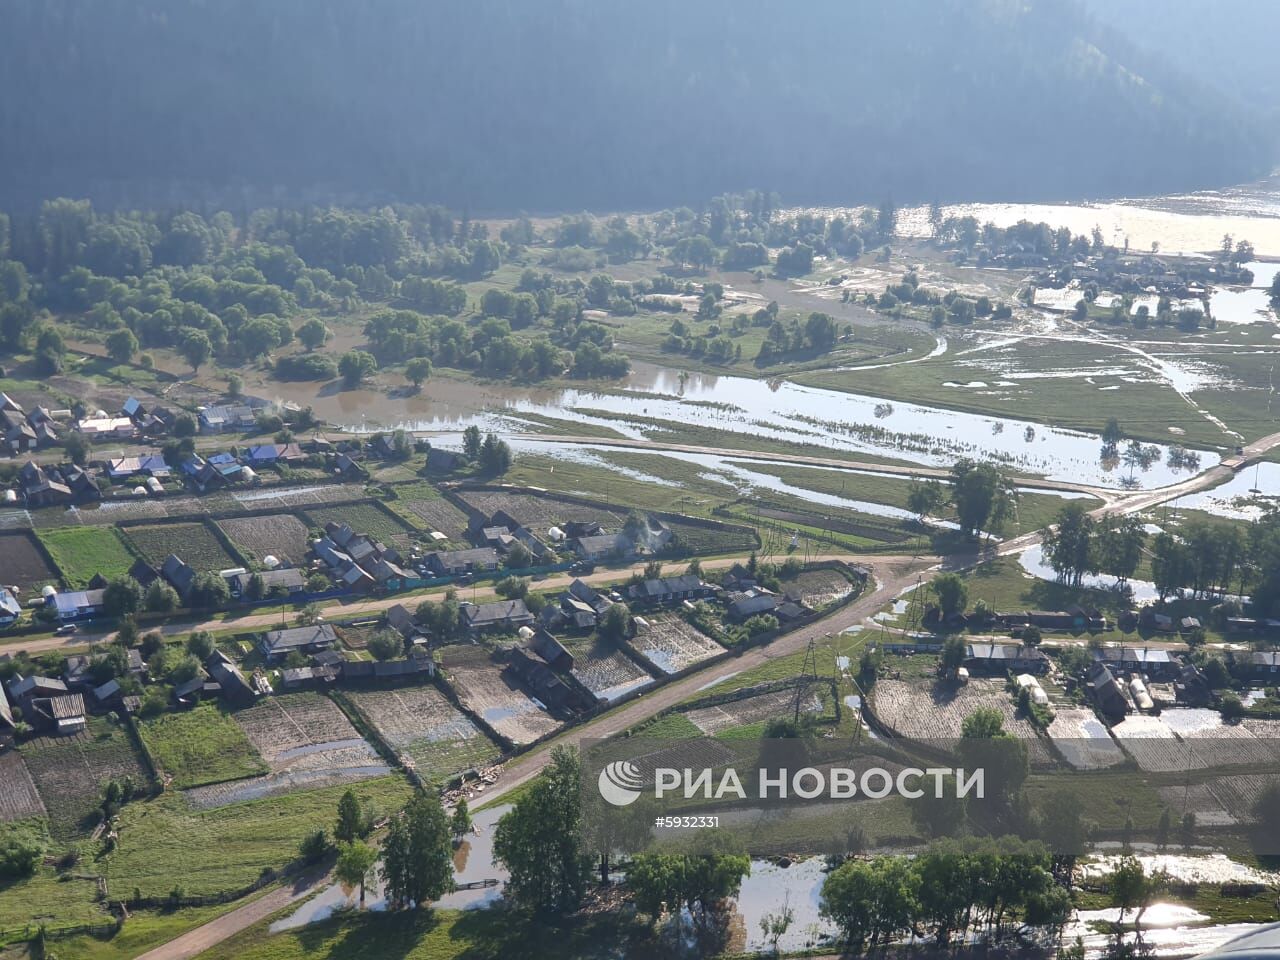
(194, 542)
(763, 706)
(539, 513)
(817, 588)
(1152, 743)
(421, 503)
(69, 771)
(298, 496)
(365, 517)
(1236, 795)
(83, 552)
(19, 798)
(933, 711)
(306, 742)
(1083, 740)
(484, 690)
(23, 564)
(281, 535)
(429, 733)
(672, 644)
(605, 670)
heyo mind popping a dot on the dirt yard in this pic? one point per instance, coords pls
(671, 644)
(426, 730)
(817, 588)
(18, 796)
(306, 740)
(483, 689)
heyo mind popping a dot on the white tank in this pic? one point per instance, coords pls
(270, 562)
(49, 591)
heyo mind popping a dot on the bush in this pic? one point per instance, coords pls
(306, 366)
(22, 846)
(314, 846)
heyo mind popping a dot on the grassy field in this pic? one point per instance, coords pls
(491, 934)
(144, 930)
(1058, 395)
(204, 745)
(194, 543)
(165, 843)
(82, 552)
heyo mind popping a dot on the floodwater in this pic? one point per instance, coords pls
(1235, 499)
(1033, 562)
(472, 862)
(845, 423)
(1180, 223)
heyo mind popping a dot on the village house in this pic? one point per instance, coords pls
(229, 678)
(402, 622)
(107, 428)
(179, 575)
(552, 651)
(218, 418)
(75, 604)
(59, 714)
(1154, 663)
(285, 579)
(278, 644)
(742, 606)
(998, 659)
(501, 615)
(1107, 693)
(1262, 666)
(451, 563)
(1075, 619)
(604, 546)
(10, 608)
(669, 590)
(535, 674)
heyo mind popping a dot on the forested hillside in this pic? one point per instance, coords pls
(553, 104)
(1202, 36)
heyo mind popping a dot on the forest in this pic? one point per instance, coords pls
(494, 106)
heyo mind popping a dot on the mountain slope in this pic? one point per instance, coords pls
(543, 104)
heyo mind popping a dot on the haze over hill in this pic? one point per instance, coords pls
(554, 104)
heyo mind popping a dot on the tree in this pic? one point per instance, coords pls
(386, 644)
(471, 441)
(952, 594)
(954, 650)
(122, 345)
(980, 495)
(355, 861)
(313, 333)
(418, 370)
(984, 723)
(200, 645)
(235, 384)
(460, 822)
(352, 822)
(925, 498)
(77, 447)
(1112, 434)
(1069, 547)
(518, 557)
(184, 426)
(495, 456)
(356, 365)
(196, 349)
(539, 840)
(122, 596)
(417, 855)
(616, 622)
(160, 597)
